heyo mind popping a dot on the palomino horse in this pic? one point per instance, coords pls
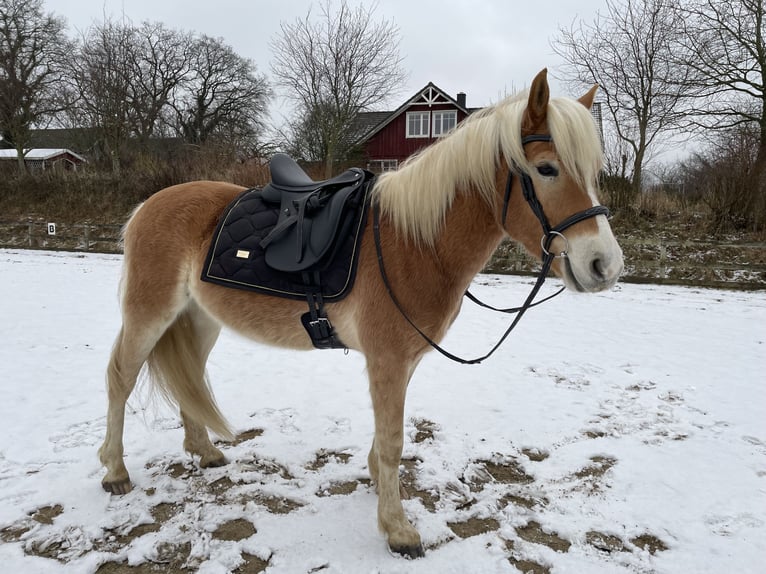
(442, 214)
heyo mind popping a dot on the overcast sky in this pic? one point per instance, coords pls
(485, 48)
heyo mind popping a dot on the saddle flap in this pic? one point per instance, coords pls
(310, 228)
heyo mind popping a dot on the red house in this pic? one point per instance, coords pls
(391, 137)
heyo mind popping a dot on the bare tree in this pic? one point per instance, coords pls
(628, 52)
(223, 97)
(333, 68)
(162, 63)
(124, 77)
(102, 78)
(32, 50)
(724, 46)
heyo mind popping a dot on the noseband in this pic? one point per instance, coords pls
(549, 234)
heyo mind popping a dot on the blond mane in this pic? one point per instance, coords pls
(418, 195)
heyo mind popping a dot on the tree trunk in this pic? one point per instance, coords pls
(20, 161)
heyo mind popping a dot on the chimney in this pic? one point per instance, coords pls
(461, 99)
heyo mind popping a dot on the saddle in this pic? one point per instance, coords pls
(309, 213)
(294, 238)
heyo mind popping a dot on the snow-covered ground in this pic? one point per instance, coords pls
(622, 432)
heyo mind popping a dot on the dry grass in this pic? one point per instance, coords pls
(92, 196)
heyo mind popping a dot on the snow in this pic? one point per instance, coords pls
(647, 404)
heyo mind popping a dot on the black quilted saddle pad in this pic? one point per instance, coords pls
(236, 259)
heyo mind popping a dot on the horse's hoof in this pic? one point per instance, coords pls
(117, 486)
(213, 462)
(409, 551)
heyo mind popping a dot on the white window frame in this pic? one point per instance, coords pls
(383, 165)
(424, 117)
(437, 125)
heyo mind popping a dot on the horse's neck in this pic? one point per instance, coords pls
(470, 235)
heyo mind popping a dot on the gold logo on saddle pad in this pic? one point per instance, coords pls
(242, 254)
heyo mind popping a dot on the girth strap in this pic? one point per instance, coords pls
(315, 321)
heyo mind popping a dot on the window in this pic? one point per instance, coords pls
(444, 122)
(418, 124)
(381, 165)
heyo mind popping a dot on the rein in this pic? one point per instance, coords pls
(549, 234)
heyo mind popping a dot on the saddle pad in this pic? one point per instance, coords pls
(236, 259)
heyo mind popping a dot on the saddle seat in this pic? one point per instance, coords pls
(287, 175)
(311, 214)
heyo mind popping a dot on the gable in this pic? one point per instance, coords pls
(427, 97)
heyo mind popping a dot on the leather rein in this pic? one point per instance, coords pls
(549, 234)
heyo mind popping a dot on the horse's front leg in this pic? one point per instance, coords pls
(388, 386)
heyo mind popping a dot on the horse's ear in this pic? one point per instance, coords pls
(537, 105)
(587, 99)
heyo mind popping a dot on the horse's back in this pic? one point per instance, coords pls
(182, 214)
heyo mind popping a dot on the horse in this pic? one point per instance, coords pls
(441, 216)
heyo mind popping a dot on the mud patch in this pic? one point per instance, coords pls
(235, 530)
(474, 527)
(46, 514)
(533, 532)
(179, 470)
(650, 543)
(251, 564)
(173, 556)
(13, 533)
(527, 502)
(535, 454)
(523, 564)
(408, 479)
(324, 457)
(605, 542)
(266, 466)
(424, 430)
(597, 468)
(276, 504)
(244, 436)
(344, 488)
(43, 515)
(221, 487)
(147, 567)
(591, 476)
(529, 567)
(507, 472)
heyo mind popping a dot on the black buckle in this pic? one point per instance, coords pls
(321, 332)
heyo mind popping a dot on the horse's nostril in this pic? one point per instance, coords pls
(598, 268)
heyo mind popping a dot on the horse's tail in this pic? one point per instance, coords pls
(177, 368)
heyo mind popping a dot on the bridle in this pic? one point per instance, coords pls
(549, 234)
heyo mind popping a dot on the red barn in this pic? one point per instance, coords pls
(391, 137)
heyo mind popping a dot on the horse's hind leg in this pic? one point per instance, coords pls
(130, 350)
(388, 386)
(196, 438)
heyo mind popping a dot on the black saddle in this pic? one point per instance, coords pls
(310, 213)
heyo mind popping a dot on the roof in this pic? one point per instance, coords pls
(40, 154)
(370, 123)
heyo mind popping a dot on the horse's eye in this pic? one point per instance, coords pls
(547, 170)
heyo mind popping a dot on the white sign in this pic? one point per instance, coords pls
(51, 229)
